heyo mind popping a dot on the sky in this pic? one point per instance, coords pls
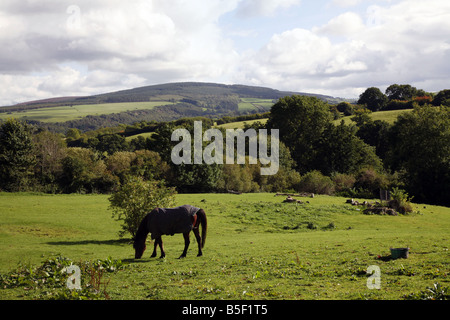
(52, 48)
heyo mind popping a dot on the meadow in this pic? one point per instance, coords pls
(257, 248)
(67, 113)
(388, 116)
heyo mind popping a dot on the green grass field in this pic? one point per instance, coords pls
(249, 104)
(257, 248)
(388, 116)
(66, 113)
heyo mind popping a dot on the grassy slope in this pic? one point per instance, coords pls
(388, 116)
(66, 113)
(257, 248)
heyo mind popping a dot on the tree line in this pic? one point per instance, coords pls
(316, 155)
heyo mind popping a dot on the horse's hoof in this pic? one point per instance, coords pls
(200, 254)
(182, 257)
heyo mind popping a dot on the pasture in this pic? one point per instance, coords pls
(67, 113)
(257, 248)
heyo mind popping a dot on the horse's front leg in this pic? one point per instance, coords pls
(186, 244)
(154, 249)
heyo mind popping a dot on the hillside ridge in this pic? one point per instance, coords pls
(179, 90)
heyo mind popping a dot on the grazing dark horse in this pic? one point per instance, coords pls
(168, 221)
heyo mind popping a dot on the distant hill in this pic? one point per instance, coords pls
(163, 102)
(183, 91)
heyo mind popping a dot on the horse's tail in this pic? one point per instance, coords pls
(203, 221)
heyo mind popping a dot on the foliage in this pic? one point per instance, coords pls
(301, 121)
(420, 146)
(49, 149)
(371, 181)
(341, 150)
(373, 98)
(401, 92)
(400, 201)
(343, 181)
(436, 292)
(442, 98)
(85, 172)
(16, 156)
(137, 197)
(413, 150)
(51, 276)
(316, 182)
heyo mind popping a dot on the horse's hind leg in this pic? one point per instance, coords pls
(199, 241)
(163, 254)
(186, 244)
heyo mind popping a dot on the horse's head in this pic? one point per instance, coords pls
(139, 248)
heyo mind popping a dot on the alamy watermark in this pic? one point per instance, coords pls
(214, 152)
(73, 22)
(374, 281)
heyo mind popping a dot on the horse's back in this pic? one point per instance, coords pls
(168, 221)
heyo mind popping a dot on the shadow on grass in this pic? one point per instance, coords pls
(114, 242)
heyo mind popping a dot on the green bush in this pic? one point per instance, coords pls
(371, 181)
(136, 198)
(400, 201)
(343, 181)
(316, 182)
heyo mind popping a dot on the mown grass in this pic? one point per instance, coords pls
(257, 248)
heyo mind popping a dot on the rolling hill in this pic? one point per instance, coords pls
(162, 102)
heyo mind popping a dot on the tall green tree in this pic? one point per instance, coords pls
(442, 98)
(341, 150)
(17, 159)
(301, 121)
(50, 149)
(401, 92)
(420, 147)
(373, 98)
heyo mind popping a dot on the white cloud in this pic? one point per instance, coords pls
(251, 8)
(345, 3)
(85, 47)
(404, 43)
(346, 24)
(157, 41)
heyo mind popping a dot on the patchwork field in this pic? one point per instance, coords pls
(257, 248)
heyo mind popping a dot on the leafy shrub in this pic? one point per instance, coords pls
(136, 198)
(316, 182)
(371, 181)
(400, 201)
(50, 278)
(436, 292)
(343, 181)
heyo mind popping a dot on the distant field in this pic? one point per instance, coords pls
(248, 104)
(144, 135)
(66, 113)
(257, 248)
(388, 116)
(240, 124)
